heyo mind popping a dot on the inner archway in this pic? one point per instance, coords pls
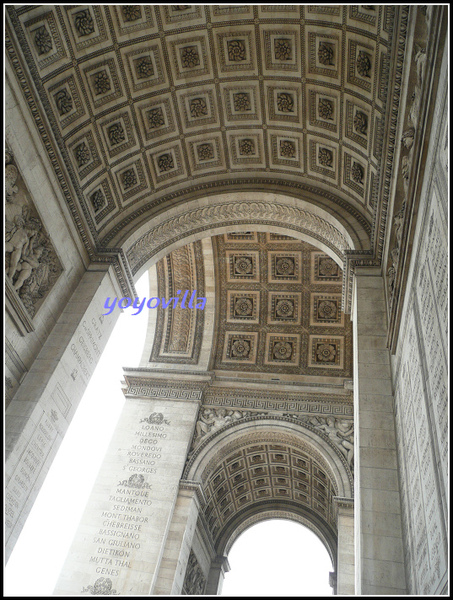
(279, 557)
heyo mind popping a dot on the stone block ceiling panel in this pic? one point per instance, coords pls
(267, 472)
(279, 308)
(286, 92)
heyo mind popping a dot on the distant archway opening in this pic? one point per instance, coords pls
(278, 557)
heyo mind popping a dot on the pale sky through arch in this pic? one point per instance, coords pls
(278, 558)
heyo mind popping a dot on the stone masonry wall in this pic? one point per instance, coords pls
(420, 372)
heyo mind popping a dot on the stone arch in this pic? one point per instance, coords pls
(231, 464)
(202, 460)
(219, 213)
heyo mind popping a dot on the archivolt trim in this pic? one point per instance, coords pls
(250, 430)
(235, 212)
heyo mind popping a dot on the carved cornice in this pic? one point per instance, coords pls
(392, 112)
(373, 257)
(156, 388)
(283, 402)
(193, 486)
(424, 77)
(346, 504)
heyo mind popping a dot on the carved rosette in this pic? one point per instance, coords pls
(241, 102)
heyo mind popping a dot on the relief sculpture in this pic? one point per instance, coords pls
(194, 581)
(211, 420)
(339, 431)
(31, 264)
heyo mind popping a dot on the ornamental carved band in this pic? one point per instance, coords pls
(218, 215)
(150, 391)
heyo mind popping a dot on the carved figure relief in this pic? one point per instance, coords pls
(194, 581)
(339, 431)
(31, 263)
(211, 420)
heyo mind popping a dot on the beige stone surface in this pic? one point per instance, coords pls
(175, 139)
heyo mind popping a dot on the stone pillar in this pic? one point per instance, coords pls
(379, 546)
(219, 567)
(345, 573)
(121, 539)
(37, 418)
(179, 540)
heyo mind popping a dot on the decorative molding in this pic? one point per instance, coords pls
(418, 124)
(293, 402)
(179, 331)
(278, 437)
(207, 217)
(141, 387)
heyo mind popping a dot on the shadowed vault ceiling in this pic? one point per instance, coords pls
(148, 102)
(277, 310)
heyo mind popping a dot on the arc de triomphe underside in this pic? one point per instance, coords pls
(289, 163)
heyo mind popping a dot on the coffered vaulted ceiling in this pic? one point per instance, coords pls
(146, 103)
